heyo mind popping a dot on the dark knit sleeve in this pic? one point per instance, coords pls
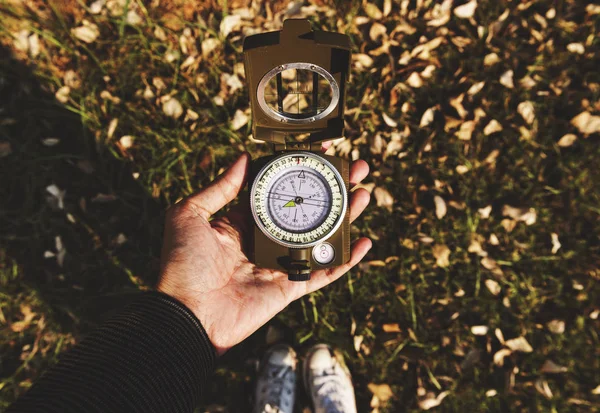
(152, 357)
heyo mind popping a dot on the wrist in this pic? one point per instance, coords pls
(193, 303)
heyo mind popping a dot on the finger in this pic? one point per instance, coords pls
(222, 191)
(359, 200)
(358, 171)
(321, 278)
(326, 145)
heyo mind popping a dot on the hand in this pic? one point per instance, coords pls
(203, 264)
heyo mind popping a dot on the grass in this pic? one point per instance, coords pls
(111, 189)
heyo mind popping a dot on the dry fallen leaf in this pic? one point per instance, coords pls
(384, 198)
(373, 11)
(491, 264)
(427, 117)
(466, 11)
(387, 7)
(50, 141)
(526, 215)
(506, 79)
(392, 328)
(500, 355)
(440, 207)
(475, 89)
(233, 82)
(229, 24)
(87, 33)
(362, 60)
(377, 144)
(466, 130)
(21, 325)
(556, 326)
(239, 120)
(527, 111)
(475, 248)
(543, 388)
(484, 213)
(576, 48)
(381, 394)
(555, 243)
(493, 286)
(431, 400)
(209, 45)
(58, 194)
(492, 127)
(126, 141)
(479, 330)
(440, 14)
(62, 94)
(551, 367)
(428, 71)
(494, 239)
(519, 344)
(462, 169)
(586, 123)
(441, 253)
(414, 80)
(171, 107)
(491, 59)
(389, 121)
(567, 140)
(377, 30)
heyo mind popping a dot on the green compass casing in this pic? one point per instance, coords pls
(298, 196)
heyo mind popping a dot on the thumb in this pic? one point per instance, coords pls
(223, 190)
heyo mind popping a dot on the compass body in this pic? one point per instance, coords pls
(298, 197)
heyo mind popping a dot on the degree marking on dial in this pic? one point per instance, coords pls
(269, 204)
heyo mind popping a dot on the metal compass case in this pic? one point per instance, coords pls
(298, 196)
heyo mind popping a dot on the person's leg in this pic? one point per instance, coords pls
(276, 384)
(327, 381)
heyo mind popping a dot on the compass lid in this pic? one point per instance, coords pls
(297, 82)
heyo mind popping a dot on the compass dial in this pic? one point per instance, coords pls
(298, 199)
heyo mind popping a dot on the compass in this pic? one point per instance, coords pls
(298, 196)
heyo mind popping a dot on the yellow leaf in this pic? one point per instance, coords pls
(392, 328)
(586, 123)
(519, 344)
(382, 391)
(441, 253)
(373, 11)
(466, 11)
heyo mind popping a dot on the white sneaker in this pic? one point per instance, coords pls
(327, 381)
(276, 385)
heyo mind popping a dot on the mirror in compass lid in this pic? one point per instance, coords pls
(296, 82)
(298, 93)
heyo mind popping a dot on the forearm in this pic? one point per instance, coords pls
(152, 357)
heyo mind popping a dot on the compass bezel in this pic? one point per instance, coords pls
(339, 221)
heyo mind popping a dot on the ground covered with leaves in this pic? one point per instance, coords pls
(480, 121)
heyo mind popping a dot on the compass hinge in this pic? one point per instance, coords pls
(297, 146)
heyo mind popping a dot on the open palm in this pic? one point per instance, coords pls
(204, 265)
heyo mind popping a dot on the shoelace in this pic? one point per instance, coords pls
(275, 390)
(328, 387)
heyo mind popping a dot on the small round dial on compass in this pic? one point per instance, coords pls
(298, 199)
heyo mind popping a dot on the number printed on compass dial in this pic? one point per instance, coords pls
(298, 199)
